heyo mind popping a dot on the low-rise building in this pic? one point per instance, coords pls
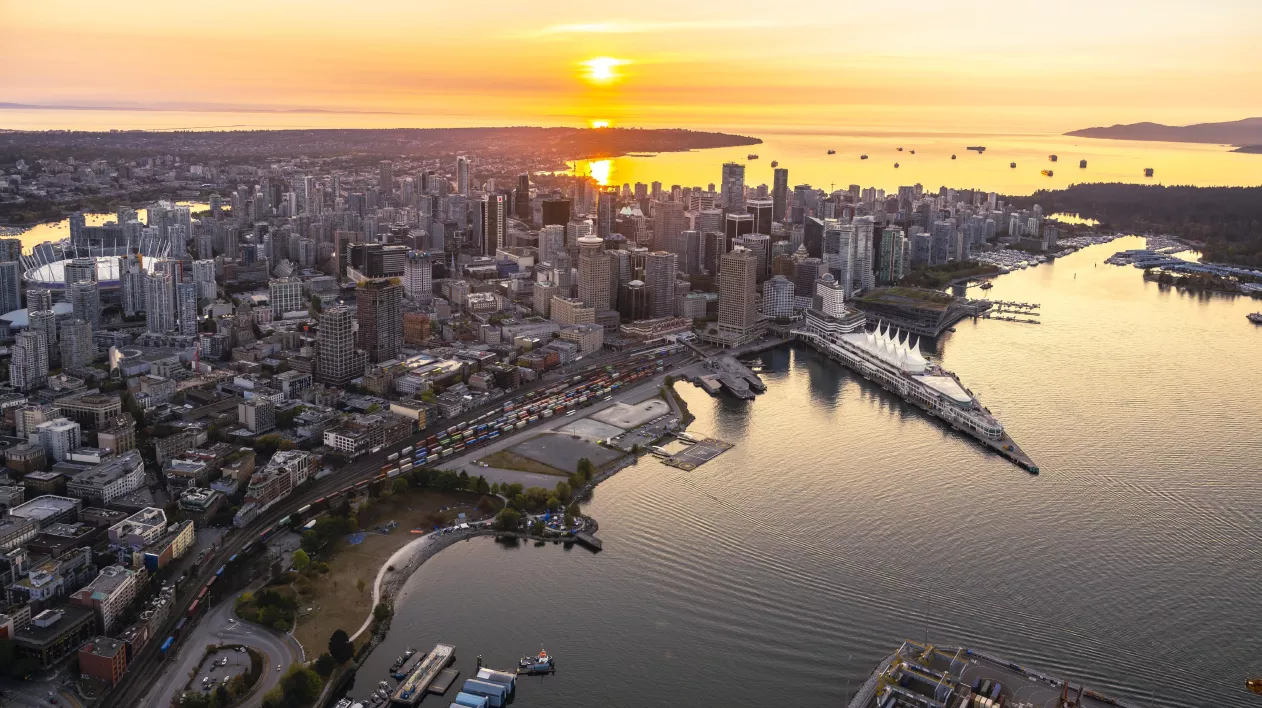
(59, 437)
(172, 546)
(140, 529)
(257, 415)
(11, 496)
(104, 659)
(201, 504)
(48, 510)
(54, 578)
(91, 409)
(283, 473)
(25, 457)
(589, 337)
(16, 532)
(118, 435)
(52, 635)
(111, 479)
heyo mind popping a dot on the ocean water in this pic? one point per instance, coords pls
(845, 521)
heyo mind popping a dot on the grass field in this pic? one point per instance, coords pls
(506, 460)
(334, 600)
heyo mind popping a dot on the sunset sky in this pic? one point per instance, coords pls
(1024, 64)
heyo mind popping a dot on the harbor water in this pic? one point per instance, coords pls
(844, 521)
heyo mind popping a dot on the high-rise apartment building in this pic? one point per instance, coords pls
(159, 302)
(606, 209)
(379, 316)
(385, 177)
(418, 278)
(865, 271)
(893, 243)
(45, 322)
(521, 197)
(10, 286)
(669, 221)
(76, 343)
(28, 363)
(462, 175)
(336, 364)
(85, 301)
(494, 214)
(186, 308)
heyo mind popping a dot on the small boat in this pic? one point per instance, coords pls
(1254, 685)
(913, 152)
(832, 152)
(896, 165)
(1048, 173)
(751, 156)
(1082, 164)
(536, 665)
(900, 149)
(403, 659)
(775, 163)
(863, 157)
(977, 148)
(987, 285)
(953, 157)
(1052, 158)
(1013, 165)
(1148, 172)
(1255, 317)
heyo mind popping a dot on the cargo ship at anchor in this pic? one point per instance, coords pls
(896, 364)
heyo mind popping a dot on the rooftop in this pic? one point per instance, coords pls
(103, 647)
(44, 507)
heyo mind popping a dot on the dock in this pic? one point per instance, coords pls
(586, 539)
(726, 373)
(413, 688)
(699, 451)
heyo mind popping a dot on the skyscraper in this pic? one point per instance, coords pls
(551, 242)
(777, 297)
(521, 198)
(780, 194)
(760, 244)
(79, 269)
(385, 178)
(85, 301)
(335, 365)
(285, 295)
(891, 262)
(39, 299)
(380, 318)
(839, 252)
(659, 279)
(10, 286)
(734, 226)
(593, 272)
(45, 322)
(605, 210)
(28, 365)
(761, 210)
(805, 273)
(733, 186)
(556, 212)
(865, 273)
(494, 223)
(668, 223)
(738, 300)
(462, 175)
(131, 279)
(159, 303)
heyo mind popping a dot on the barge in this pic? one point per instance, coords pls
(413, 688)
(897, 365)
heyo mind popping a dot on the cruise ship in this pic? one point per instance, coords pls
(896, 363)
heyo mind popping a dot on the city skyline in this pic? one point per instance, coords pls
(814, 65)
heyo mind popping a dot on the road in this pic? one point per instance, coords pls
(220, 626)
(141, 672)
(32, 694)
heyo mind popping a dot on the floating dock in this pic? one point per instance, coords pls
(446, 677)
(586, 539)
(699, 451)
(413, 688)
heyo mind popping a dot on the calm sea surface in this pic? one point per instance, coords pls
(845, 521)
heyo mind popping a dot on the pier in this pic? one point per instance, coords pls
(698, 452)
(413, 688)
(591, 542)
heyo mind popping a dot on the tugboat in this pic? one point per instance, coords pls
(913, 152)
(1013, 165)
(1255, 317)
(1148, 172)
(775, 163)
(900, 149)
(403, 659)
(863, 157)
(1052, 158)
(536, 665)
(1082, 164)
(1254, 685)
(832, 152)
(896, 165)
(1048, 173)
(751, 156)
(953, 157)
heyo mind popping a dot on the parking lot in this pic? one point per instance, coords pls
(219, 668)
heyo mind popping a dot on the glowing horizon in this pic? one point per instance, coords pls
(910, 65)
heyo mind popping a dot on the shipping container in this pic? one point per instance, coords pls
(392, 457)
(501, 677)
(406, 466)
(192, 609)
(167, 644)
(495, 692)
(179, 626)
(469, 700)
(406, 451)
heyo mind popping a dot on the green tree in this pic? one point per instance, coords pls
(360, 584)
(301, 560)
(274, 698)
(563, 492)
(400, 485)
(585, 469)
(537, 527)
(340, 647)
(508, 519)
(381, 611)
(324, 664)
(481, 486)
(301, 685)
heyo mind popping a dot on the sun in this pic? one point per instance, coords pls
(602, 70)
(599, 123)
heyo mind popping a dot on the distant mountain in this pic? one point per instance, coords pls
(1255, 149)
(1236, 132)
